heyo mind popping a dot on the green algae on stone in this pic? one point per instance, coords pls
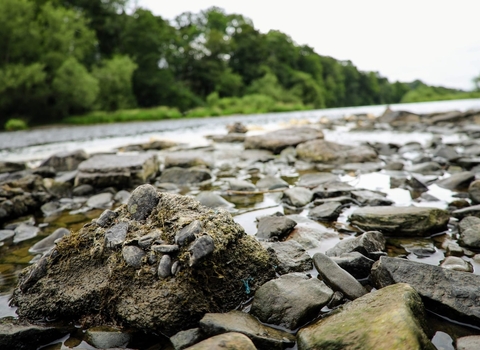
(391, 318)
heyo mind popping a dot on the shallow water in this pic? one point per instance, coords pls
(35, 145)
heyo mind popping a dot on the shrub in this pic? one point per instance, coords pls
(15, 124)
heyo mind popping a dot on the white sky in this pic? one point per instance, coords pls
(436, 41)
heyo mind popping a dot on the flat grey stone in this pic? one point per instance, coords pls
(236, 321)
(297, 196)
(316, 179)
(188, 233)
(457, 264)
(101, 201)
(116, 235)
(49, 242)
(107, 337)
(270, 182)
(24, 232)
(326, 152)
(230, 341)
(356, 264)
(274, 227)
(457, 181)
(368, 244)
(66, 161)
(290, 301)
(325, 212)
(337, 278)
(213, 200)
(117, 170)
(184, 339)
(200, 249)
(451, 293)
(291, 255)
(370, 198)
(181, 176)
(278, 140)
(106, 218)
(471, 342)
(401, 221)
(241, 185)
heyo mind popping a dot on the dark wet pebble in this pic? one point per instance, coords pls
(200, 249)
(133, 255)
(188, 233)
(116, 235)
(274, 227)
(142, 201)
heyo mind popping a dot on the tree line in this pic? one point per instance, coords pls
(68, 57)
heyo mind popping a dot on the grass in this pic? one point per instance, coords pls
(125, 115)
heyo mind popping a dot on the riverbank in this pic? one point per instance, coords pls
(302, 188)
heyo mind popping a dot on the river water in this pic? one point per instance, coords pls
(42, 142)
(34, 145)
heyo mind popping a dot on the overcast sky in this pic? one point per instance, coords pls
(436, 41)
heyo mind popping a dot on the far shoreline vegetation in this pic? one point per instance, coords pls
(89, 62)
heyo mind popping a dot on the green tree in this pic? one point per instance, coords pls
(114, 77)
(75, 89)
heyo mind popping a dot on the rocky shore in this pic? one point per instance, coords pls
(259, 241)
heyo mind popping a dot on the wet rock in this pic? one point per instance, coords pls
(116, 235)
(158, 145)
(322, 151)
(342, 200)
(24, 232)
(6, 236)
(474, 191)
(49, 242)
(83, 190)
(147, 240)
(200, 249)
(51, 208)
(390, 318)
(270, 182)
(184, 339)
(428, 168)
(356, 264)
(165, 248)
(458, 181)
(241, 185)
(332, 189)
(401, 221)
(371, 198)
(325, 212)
(292, 257)
(188, 233)
(10, 167)
(450, 293)
(235, 321)
(369, 244)
(316, 179)
(297, 196)
(228, 138)
(165, 266)
(274, 227)
(278, 140)
(309, 233)
(107, 337)
(106, 218)
(290, 301)
(457, 264)
(446, 152)
(100, 201)
(117, 170)
(469, 229)
(122, 197)
(337, 278)
(213, 200)
(471, 342)
(398, 118)
(181, 176)
(133, 256)
(167, 187)
(237, 127)
(188, 159)
(83, 282)
(142, 201)
(66, 161)
(394, 166)
(21, 335)
(230, 341)
(473, 210)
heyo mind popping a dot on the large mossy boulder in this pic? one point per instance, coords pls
(149, 278)
(391, 318)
